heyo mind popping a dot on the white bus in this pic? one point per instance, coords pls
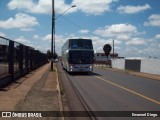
(78, 55)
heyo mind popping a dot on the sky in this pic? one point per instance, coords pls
(134, 25)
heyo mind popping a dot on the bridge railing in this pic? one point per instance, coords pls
(17, 59)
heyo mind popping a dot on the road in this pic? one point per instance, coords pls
(105, 90)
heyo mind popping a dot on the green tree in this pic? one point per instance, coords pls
(49, 54)
(55, 56)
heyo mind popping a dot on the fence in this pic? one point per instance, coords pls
(16, 60)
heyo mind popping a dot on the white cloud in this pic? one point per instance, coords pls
(58, 38)
(47, 37)
(23, 40)
(84, 31)
(116, 29)
(130, 52)
(153, 20)
(110, 41)
(59, 41)
(40, 7)
(133, 9)
(19, 4)
(2, 34)
(123, 34)
(36, 37)
(43, 6)
(98, 43)
(26, 29)
(96, 7)
(123, 37)
(136, 41)
(21, 20)
(151, 51)
(157, 36)
(61, 6)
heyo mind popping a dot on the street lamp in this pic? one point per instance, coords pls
(53, 31)
(65, 11)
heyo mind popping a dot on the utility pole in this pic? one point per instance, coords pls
(53, 34)
(113, 49)
(53, 31)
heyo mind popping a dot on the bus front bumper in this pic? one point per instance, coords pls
(81, 68)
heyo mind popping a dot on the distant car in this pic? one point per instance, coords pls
(56, 60)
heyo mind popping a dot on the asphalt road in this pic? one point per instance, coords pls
(105, 90)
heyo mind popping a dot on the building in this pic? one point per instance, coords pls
(101, 57)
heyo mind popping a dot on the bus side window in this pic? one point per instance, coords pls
(74, 45)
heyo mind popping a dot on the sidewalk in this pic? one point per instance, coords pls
(37, 91)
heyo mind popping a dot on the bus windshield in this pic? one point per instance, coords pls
(80, 44)
(81, 57)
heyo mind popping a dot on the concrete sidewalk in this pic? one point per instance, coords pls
(37, 91)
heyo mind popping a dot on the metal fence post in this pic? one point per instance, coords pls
(11, 60)
(32, 59)
(21, 59)
(26, 57)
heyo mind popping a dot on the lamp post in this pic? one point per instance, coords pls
(113, 49)
(53, 31)
(65, 11)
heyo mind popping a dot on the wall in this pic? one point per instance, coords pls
(118, 63)
(148, 65)
(133, 64)
(151, 66)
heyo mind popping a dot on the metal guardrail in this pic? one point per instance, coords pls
(17, 59)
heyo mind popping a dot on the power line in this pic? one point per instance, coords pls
(74, 24)
(79, 27)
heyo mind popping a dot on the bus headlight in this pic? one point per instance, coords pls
(91, 67)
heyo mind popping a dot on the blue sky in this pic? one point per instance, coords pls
(133, 24)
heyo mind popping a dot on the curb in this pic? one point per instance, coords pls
(59, 91)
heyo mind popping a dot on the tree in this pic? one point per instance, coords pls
(55, 56)
(49, 54)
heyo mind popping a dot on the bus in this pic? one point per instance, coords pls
(77, 55)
